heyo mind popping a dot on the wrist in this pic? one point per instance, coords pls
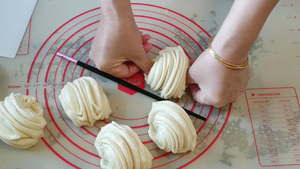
(241, 28)
(230, 49)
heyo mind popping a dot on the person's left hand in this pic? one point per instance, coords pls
(119, 48)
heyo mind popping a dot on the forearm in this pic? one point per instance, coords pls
(241, 28)
(116, 10)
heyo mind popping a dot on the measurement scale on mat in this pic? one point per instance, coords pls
(293, 19)
(25, 43)
(275, 120)
(275, 112)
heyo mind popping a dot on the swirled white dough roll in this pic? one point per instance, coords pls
(120, 148)
(84, 101)
(21, 121)
(171, 128)
(168, 74)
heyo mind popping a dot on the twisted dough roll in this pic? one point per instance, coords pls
(121, 148)
(84, 101)
(171, 128)
(168, 74)
(21, 121)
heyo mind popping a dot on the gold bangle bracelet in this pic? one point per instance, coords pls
(223, 62)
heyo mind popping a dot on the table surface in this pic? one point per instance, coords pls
(261, 129)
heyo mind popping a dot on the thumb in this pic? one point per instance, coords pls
(202, 98)
(196, 93)
(144, 63)
(189, 79)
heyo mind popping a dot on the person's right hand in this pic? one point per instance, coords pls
(214, 84)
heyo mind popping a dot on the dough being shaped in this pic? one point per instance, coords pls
(171, 128)
(84, 101)
(168, 74)
(120, 148)
(21, 121)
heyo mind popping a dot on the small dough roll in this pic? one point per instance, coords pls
(120, 148)
(171, 128)
(84, 101)
(21, 121)
(168, 74)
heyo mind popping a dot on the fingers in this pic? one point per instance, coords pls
(189, 79)
(192, 62)
(202, 98)
(127, 70)
(144, 63)
(145, 38)
(196, 93)
(147, 47)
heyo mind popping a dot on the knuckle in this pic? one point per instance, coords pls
(92, 54)
(102, 66)
(147, 66)
(218, 101)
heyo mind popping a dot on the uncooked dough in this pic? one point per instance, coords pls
(120, 148)
(84, 101)
(168, 74)
(21, 121)
(171, 128)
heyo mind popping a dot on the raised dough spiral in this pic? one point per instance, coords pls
(120, 148)
(171, 128)
(84, 101)
(168, 74)
(21, 121)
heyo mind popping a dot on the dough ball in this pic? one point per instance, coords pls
(84, 101)
(21, 121)
(120, 147)
(168, 74)
(171, 128)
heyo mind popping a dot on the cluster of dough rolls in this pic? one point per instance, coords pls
(84, 102)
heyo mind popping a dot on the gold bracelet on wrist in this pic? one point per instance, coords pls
(223, 62)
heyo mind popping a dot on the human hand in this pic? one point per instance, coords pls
(214, 84)
(118, 47)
